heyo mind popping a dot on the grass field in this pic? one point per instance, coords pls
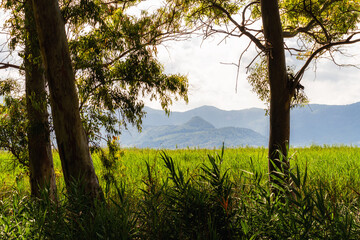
(337, 166)
(155, 202)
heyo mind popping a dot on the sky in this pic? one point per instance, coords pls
(213, 83)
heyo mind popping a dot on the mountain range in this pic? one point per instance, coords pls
(209, 126)
(194, 133)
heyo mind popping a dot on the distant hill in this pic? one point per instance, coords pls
(195, 133)
(312, 124)
(253, 118)
(326, 124)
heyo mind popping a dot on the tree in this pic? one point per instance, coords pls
(115, 62)
(280, 89)
(32, 146)
(320, 26)
(71, 138)
(41, 164)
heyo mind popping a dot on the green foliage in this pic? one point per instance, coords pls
(259, 80)
(15, 222)
(116, 66)
(332, 19)
(110, 161)
(24, 218)
(13, 122)
(8, 86)
(114, 58)
(200, 10)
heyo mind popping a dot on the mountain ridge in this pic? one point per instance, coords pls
(313, 124)
(196, 132)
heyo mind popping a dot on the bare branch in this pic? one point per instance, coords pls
(332, 57)
(241, 28)
(228, 34)
(239, 63)
(244, 11)
(298, 30)
(234, 64)
(252, 61)
(346, 41)
(9, 65)
(213, 31)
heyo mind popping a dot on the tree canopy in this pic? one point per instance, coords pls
(116, 65)
(114, 58)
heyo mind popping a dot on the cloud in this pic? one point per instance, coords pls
(327, 83)
(213, 83)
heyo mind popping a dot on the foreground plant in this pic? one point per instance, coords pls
(205, 203)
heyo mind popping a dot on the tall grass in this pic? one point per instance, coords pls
(198, 194)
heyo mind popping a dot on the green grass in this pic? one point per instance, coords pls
(195, 194)
(337, 166)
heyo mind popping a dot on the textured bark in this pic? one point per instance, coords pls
(279, 90)
(71, 139)
(40, 156)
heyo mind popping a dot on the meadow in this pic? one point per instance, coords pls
(194, 194)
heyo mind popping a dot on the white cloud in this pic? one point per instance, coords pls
(212, 83)
(328, 83)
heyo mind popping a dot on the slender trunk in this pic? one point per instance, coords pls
(279, 89)
(40, 156)
(72, 142)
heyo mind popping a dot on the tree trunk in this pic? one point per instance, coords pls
(40, 156)
(279, 88)
(71, 139)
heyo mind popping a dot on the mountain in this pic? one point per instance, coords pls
(197, 123)
(253, 118)
(312, 124)
(194, 133)
(326, 124)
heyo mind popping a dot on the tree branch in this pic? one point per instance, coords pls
(301, 72)
(241, 28)
(328, 39)
(298, 30)
(311, 24)
(9, 65)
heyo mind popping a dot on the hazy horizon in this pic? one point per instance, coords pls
(307, 105)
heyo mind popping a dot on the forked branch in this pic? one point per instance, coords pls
(241, 27)
(346, 41)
